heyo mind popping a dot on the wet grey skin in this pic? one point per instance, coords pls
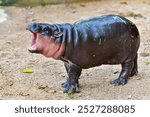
(109, 39)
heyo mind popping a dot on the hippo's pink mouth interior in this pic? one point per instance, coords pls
(46, 46)
(33, 46)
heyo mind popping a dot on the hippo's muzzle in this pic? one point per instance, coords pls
(33, 27)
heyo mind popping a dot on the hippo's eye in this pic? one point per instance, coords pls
(45, 29)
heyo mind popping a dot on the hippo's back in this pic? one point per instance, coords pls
(104, 40)
(109, 25)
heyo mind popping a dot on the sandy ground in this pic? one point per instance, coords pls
(44, 82)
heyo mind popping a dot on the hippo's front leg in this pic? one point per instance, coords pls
(72, 83)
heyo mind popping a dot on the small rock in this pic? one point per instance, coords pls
(42, 86)
(54, 91)
(82, 5)
(24, 94)
(129, 96)
(138, 78)
(144, 54)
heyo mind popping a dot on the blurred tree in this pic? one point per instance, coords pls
(7, 2)
(36, 2)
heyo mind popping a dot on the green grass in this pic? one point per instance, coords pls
(70, 95)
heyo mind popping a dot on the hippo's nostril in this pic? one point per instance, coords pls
(33, 27)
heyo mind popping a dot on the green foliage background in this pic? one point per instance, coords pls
(35, 2)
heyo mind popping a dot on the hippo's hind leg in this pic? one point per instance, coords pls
(72, 83)
(127, 66)
(135, 67)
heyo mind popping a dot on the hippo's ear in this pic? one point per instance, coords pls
(57, 34)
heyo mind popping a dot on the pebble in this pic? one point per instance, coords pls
(24, 94)
(129, 96)
(138, 78)
(42, 86)
(144, 54)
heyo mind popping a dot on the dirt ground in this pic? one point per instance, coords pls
(44, 82)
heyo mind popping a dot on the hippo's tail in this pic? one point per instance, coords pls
(134, 30)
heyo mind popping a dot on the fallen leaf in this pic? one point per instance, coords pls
(147, 63)
(27, 71)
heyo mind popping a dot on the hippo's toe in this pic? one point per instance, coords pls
(119, 81)
(70, 88)
(64, 84)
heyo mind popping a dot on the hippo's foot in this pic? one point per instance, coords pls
(119, 81)
(70, 88)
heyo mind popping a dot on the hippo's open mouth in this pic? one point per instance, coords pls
(43, 43)
(33, 47)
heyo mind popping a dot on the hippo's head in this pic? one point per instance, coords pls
(44, 40)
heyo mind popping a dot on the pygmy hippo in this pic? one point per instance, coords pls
(109, 39)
